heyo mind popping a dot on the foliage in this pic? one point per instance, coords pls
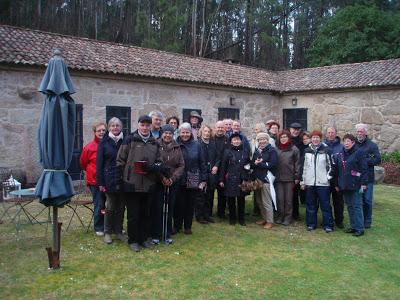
(393, 157)
(218, 261)
(357, 34)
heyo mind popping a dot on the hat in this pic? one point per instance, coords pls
(167, 128)
(262, 135)
(270, 121)
(295, 125)
(194, 113)
(144, 119)
(235, 134)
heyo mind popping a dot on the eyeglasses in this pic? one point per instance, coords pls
(100, 130)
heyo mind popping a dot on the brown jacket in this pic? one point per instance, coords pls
(171, 156)
(288, 164)
(132, 150)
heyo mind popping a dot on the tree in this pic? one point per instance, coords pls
(357, 34)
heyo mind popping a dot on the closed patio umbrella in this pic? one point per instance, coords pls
(56, 141)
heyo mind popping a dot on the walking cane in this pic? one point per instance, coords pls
(165, 213)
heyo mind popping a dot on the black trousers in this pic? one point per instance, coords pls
(296, 190)
(184, 207)
(221, 202)
(338, 205)
(202, 206)
(210, 199)
(157, 210)
(232, 208)
(138, 214)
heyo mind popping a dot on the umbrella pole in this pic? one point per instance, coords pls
(53, 253)
(55, 228)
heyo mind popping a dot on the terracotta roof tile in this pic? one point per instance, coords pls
(32, 47)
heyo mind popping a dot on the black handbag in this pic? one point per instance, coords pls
(192, 179)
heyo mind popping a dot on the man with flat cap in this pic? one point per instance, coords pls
(195, 121)
(139, 160)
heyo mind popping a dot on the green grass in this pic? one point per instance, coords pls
(217, 261)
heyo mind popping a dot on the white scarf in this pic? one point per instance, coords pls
(116, 138)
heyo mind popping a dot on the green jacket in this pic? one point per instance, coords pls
(132, 150)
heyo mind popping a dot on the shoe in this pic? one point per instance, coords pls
(222, 217)
(268, 225)
(286, 223)
(155, 241)
(242, 223)
(358, 233)
(107, 238)
(350, 230)
(202, 221)
(310, 228)
(210, 220)
(169, 241)
(99, 233)
(261, 222)
(121, 237)
(340, 225)
(148, 244)
(134, 247)
(232, 222)
(367, 226)
(187, 231)
(174, 231)
(278, 221)
(328, 230)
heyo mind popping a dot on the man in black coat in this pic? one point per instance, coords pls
(373, 158)
(221, 143)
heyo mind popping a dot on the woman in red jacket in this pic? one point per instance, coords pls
(88, 164)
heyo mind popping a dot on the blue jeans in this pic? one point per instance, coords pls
(354, 207)
(313, 194)
(367, 198)
(99, 200)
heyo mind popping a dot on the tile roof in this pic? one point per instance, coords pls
(31, 47)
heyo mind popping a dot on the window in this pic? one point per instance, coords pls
(123, 113)
(186, 113)
(228, 113)
(298, 115)
(74, 169)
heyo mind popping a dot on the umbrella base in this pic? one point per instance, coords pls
(54, 254)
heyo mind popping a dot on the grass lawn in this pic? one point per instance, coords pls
(217, 261)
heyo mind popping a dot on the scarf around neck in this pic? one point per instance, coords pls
(116, 138)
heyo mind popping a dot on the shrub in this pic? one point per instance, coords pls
(393, 157)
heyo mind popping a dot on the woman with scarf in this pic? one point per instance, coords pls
(87, 162)
(108, 180)
(167, 186)
(264, 160)
(192, 182)
(232, 174)
(286, 177)
(352, 180)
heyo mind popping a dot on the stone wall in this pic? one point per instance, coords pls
(378, 108)
(21, 104)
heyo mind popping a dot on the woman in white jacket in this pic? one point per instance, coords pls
(316, 172)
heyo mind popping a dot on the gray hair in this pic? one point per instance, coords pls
(261, 126)
(362, 126)
(331, 126)
(156, 113)
(114, 120)
(186, 126)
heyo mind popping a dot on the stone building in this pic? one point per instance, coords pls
(127, 81)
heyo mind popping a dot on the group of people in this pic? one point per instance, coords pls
(167, 174)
